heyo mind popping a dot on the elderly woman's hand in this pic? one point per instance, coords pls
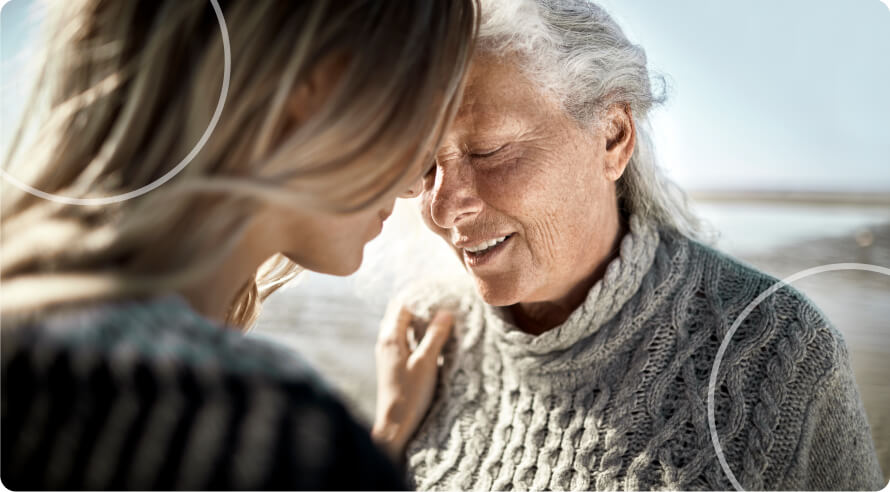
(406, 377)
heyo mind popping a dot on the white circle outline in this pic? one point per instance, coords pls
(223, 94)
(831, 267)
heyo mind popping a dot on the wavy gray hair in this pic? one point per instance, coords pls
(575, 50)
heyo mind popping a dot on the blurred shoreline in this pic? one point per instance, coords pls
(793, 197)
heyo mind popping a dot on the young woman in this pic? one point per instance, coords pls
(119, 368)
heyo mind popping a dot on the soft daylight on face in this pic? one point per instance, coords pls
(327, 242)
(320, 240)
(514, 165)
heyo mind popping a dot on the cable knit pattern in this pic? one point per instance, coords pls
(615, 397)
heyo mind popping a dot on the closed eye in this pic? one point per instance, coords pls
(489, 153)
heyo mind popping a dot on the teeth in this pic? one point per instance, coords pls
(486, 245)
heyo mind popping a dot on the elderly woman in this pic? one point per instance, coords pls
(581, 359)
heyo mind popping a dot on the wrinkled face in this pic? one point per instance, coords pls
(521, 192)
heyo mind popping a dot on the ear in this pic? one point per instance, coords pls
(315, 89)
(299, 103)
(621, 136)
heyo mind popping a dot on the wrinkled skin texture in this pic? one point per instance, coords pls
(515, 163)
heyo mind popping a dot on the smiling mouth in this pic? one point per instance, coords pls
(482, 253)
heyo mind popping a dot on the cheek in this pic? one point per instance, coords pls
(343, 236)
(342, 243)
(357, 229)
(326, 243)
(424, 206)
(545, 234)
(552, 203)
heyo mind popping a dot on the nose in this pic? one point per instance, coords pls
(453, 198)
(414, 190)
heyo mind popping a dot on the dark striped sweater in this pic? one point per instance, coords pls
(150, 395)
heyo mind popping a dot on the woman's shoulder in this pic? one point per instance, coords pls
(163, 332)
(762, 307)
(232, 411)
(783, 358)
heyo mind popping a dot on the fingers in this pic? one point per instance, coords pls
(436, 335)
(401, 327)
(394, 327)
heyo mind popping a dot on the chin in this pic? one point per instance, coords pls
(341, 265)
(499, 292)
(346, 266)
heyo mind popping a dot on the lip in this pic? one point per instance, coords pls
(490, 256)
(469, 243)
(383, 215)
(376, 230)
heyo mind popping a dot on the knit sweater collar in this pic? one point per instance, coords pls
(621, 280)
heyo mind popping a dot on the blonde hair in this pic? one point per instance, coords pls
(127, 89)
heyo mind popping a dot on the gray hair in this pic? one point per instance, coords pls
(576, 51)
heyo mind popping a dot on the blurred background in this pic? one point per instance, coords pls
(775, 123)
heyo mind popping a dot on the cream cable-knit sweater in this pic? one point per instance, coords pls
(615, 397)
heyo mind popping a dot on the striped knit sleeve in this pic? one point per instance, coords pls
(77, 418)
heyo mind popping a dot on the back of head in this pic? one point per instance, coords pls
(128, 88)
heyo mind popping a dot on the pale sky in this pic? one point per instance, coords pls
(770, 93)
(764, 93)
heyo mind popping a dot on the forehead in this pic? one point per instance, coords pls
(498, 94)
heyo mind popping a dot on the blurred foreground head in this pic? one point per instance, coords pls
(331, 109)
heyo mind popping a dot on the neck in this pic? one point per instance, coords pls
(536, 318)
(213, 295)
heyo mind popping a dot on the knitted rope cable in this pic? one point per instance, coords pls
(614, 398)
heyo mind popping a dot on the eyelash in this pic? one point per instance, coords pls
(483, 155)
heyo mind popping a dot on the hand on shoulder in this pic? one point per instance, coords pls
(406, 375)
